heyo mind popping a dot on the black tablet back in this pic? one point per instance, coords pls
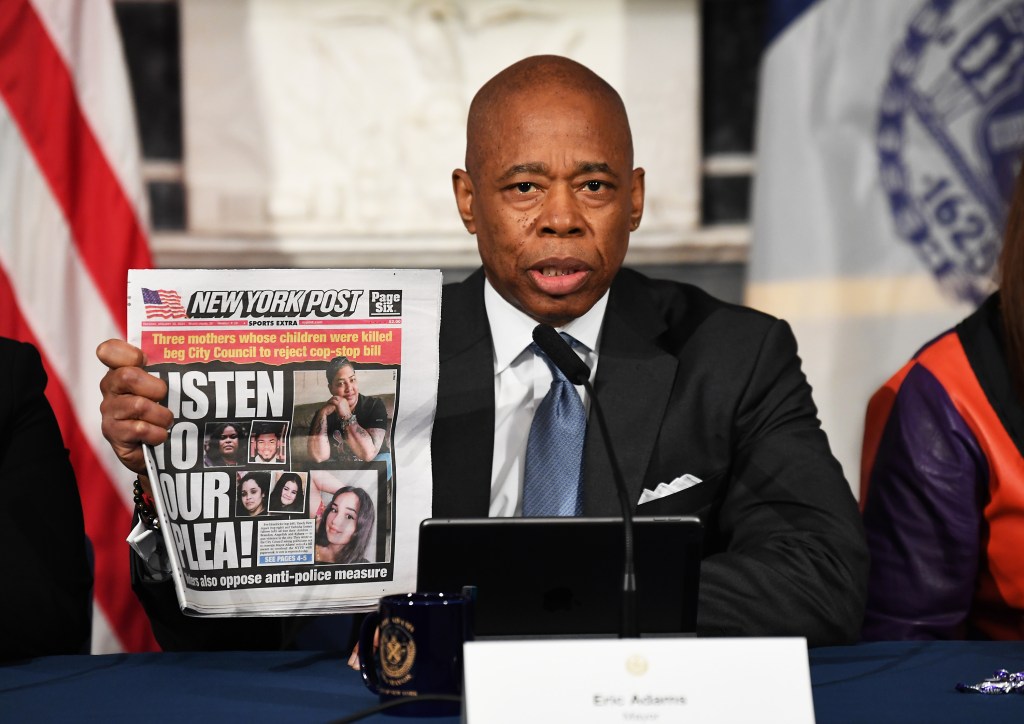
(563, 576)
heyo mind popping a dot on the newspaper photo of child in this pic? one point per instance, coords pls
(288, 494)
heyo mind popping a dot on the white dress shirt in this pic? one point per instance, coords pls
(521, 379)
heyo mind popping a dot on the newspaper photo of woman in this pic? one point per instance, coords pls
(252, 494)
(344, 530)
(287, 495)
(224, 444)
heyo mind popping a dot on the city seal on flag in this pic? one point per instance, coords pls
(949, 136)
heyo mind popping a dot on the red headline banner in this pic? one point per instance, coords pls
(362, 346)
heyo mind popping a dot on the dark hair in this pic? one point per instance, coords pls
(355, 550)
(1011, 286)
(268, 428)
(215, 431)
(262, 480)
(336, 364)
(297, 505)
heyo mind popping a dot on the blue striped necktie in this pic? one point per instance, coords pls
(554, 450)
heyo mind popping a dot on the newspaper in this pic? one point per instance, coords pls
(297, 469)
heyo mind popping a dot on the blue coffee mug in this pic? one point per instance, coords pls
(420, 651)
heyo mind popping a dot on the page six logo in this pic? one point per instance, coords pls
(385, 302)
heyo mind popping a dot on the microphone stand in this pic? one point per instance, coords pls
(577, 372)
(630, 627)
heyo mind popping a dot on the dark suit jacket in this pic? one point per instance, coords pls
(48, 582)
(688, 384)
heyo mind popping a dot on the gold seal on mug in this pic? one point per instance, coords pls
(397, 651)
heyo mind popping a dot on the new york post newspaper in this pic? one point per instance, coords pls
(297, 469)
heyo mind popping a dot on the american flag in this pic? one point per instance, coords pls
(163, 304)
(72, 223)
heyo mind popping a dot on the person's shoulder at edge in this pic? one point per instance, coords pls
(24, 354)
(50, 615)
(21, 375)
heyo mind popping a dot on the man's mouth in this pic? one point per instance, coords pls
(559, 279)
(550, 271)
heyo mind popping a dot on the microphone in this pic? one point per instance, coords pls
(559, 352)
(577, 372)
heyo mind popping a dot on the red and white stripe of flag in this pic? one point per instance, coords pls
(72, 210)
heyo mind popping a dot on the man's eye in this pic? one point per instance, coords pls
(594, 185)
(524, 187)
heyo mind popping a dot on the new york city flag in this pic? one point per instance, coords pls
(889, 134)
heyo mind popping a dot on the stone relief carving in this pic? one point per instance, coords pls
(346, 117)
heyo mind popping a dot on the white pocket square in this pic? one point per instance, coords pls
(681, 483)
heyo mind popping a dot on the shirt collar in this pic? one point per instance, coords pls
(512, 330)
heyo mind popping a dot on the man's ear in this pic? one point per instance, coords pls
(636, 199)
(462, 184)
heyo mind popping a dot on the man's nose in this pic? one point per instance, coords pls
(561, 215)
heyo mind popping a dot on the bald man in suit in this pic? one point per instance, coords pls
(691, 385)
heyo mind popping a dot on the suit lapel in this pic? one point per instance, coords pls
(462, 442)
(633, 384)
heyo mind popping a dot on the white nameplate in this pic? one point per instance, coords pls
(639, 680)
